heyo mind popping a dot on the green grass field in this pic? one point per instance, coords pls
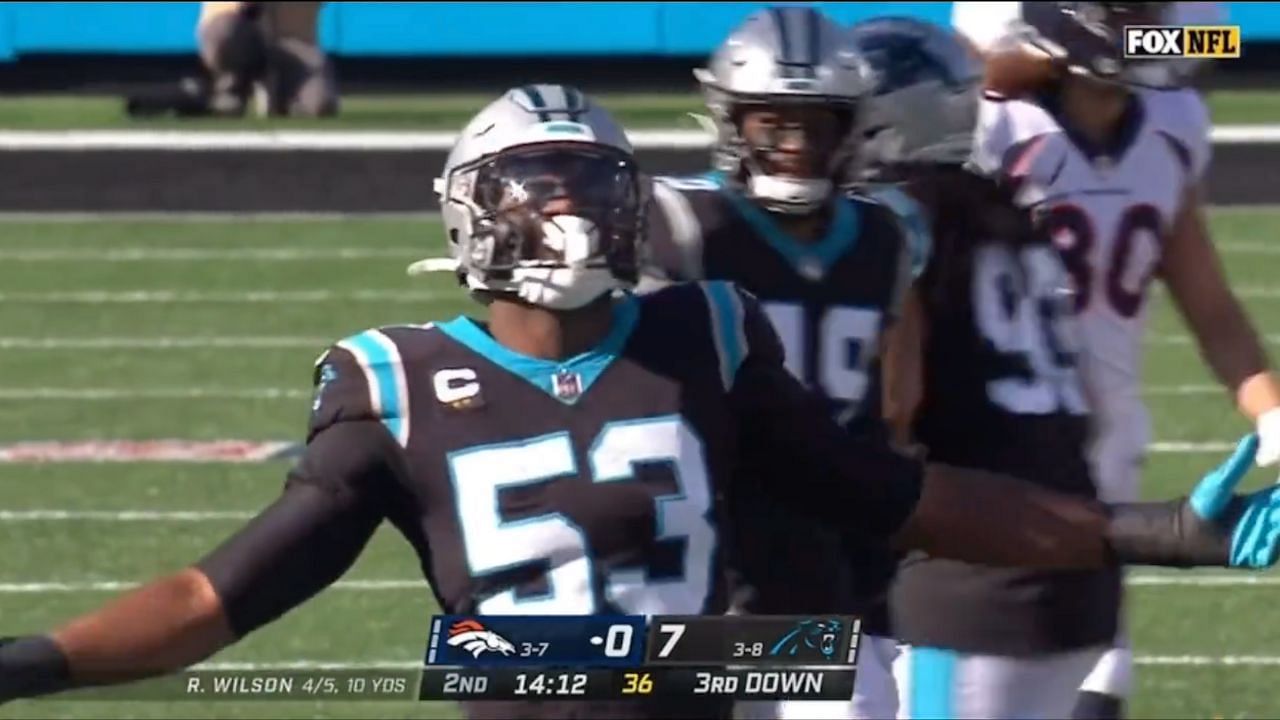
(156, 329)
(451, 111)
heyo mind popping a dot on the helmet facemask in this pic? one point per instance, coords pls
(788, 152)
(556, 225)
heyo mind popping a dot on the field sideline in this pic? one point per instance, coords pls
(450, 111)
(204, 328)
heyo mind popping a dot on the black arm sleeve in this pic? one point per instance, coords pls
(312, 534)
(859, 483)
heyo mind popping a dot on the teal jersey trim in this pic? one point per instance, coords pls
(810, 260)
(542, 374)
(914, 223)
(379, 359)
(728, 328)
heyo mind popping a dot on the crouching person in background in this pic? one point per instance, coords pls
(269, 48)
(261, 51)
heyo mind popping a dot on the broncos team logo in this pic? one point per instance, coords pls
(477, 639)
(809, 638)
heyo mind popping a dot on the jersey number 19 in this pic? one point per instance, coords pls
(846, 344)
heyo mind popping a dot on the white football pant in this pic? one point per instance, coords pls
(1116, 455)
(938, 684)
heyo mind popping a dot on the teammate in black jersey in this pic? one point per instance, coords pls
(572, 454)
(989, 337)
(829, 269)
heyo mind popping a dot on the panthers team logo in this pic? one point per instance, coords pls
(811, 639)
(476, 639)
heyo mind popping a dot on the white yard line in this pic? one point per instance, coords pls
(1181, 390)
(142, 297)
(123, 515)
(229, 666)
(181, 216)
(1196, 580)
(16, 588)
(13, 588)
(179, 393)
(1207, 660)
(278, 140)
(183, 342)
(292, 393)
(1241, 247)
(204, 254)
(1185, 339)
(281, 140)
(1176, 447)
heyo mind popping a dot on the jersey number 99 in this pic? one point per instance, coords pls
(1020, 302)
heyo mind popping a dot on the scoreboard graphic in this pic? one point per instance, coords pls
(619, 657)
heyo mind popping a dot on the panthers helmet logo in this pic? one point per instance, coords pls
(809, 638)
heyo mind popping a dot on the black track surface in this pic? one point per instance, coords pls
(360, 181)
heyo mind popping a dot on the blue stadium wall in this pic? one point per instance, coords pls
(449, 29)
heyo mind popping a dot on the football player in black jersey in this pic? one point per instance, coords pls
(987, 378)
(785, 93)
(571, 454)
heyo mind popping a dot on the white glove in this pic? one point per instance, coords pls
(1269, 437)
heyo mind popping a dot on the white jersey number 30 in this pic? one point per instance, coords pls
(493, 544)
(1076, 237)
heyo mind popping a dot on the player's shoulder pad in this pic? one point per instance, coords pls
(363, 377)
(738, 326)
(1181, 117)
(1009, 131)
(912, 219)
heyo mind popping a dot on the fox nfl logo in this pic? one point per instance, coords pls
(1188, 41)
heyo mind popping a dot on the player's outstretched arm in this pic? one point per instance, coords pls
(863, 486)
(296, 547)
(1228, 341)
(1025, 525)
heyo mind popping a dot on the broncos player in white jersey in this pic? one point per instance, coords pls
(1111, 154)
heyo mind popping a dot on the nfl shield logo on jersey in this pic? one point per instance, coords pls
(811, 269)
(567, 385)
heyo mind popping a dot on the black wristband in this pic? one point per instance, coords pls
(30, 666)
(1167, 534)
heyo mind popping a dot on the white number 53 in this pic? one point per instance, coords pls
(492, 544)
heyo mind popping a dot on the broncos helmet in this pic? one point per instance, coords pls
(541, 199)
(1087, 38)
(784, 57)
(924, 106)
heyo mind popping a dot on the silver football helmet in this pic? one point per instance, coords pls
(542, 200)
(784, 56)
(924, 108)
